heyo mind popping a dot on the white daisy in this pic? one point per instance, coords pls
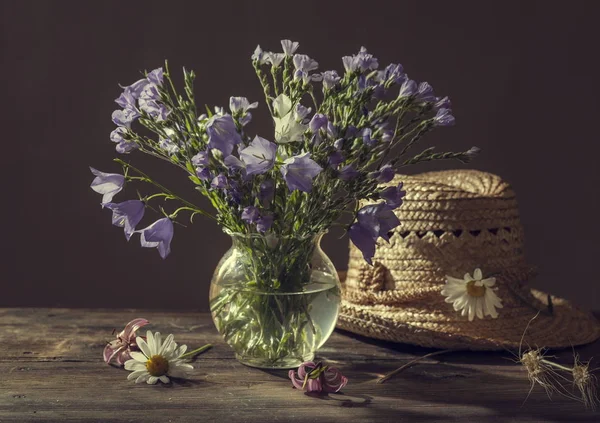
(472, 295)
(158, 360)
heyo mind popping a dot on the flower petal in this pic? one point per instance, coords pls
(138, 356)
(136, 374)
(132, 327)
(477, 274)
(134, 365)
(143, 377)
(143, 346)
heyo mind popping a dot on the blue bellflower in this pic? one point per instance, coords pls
(266, 192)
(425, 92)
(241, 105)
(158, 235)
(250, 214)
(127, 215)
(107, 184)
(317, 122)
(123, 146)
(222, 134)
(219, 182)
(125, 117)
(299, 172)
(443, 117)
(373, 221)
(264, 223)
(408, 88)
(393, 195)
(347, 173)
(200, 159)
(330, 78)
(289, 47)
(259, 156)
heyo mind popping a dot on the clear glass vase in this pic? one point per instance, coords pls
(275, 300)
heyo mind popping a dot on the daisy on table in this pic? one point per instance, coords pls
(157, 360)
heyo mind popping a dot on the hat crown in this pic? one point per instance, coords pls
(452, 222)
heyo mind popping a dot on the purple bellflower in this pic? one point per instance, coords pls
(107, 184)
(347, 173)
(222, 134)
(124, 117)
(241, 105)
(127, 215)
(250, 214)
(263, 224)
(159, 235)
(425, 92)
(259, 56)
(408, 88)
(275, 59)
(219, 182)
(304, 63)
(136, 88)
(330, 78)
(335, 158)
(317, 122)
(289, 47)
(259, 156)
(383, 175)
(123, 146)
(442, 103)
(299, 172)
(200, 159)
(393, 195)
(203, 173)
(373, 221)
(443, 117)
(156, 76)
(126, 100)
(266, 192)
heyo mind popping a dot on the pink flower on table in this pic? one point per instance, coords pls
(313, 377)
(125, 342)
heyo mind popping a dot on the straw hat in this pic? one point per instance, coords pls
(454, 222)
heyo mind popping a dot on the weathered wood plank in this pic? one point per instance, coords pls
(52, 370)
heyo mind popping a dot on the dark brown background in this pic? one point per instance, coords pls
(523, 78)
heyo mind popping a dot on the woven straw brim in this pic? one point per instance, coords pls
(565, 327)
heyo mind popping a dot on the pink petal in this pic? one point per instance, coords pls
(110, 351)
(123, 356)
(132, 327)
(334, 380)
(296, 381)
(313, 385)
(302, 370)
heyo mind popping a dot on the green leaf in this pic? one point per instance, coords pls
(196, 181)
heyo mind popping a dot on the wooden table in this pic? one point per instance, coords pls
(51, 369)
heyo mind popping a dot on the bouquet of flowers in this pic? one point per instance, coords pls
(336, 138)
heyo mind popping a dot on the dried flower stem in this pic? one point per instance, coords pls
(411, 363)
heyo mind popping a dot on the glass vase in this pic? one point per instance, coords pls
(275, 300)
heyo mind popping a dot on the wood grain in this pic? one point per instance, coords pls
(52, 370)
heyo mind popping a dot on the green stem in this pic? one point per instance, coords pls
(146, 178)
(197, 351)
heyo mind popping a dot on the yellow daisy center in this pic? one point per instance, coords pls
(157, 365)
(475, 290)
